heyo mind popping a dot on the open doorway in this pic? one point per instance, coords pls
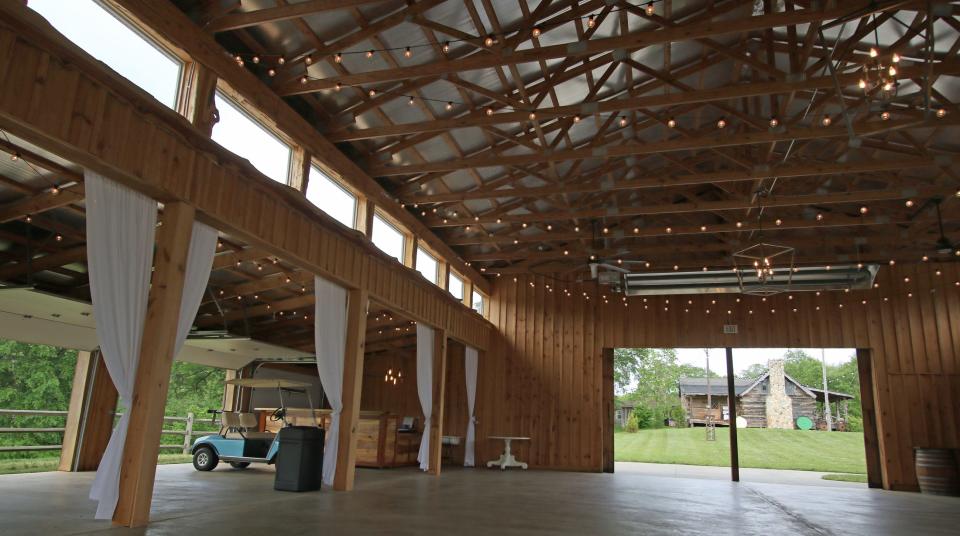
(797, 414)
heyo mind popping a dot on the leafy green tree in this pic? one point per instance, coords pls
(34, 376)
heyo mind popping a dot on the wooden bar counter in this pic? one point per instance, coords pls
(379, 442)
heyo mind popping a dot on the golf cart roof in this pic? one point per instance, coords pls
(269, 383)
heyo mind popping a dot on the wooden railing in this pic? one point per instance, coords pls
(187, 433)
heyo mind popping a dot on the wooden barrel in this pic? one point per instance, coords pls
(937, 471)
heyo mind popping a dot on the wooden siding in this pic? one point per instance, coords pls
(542, 376)
(56, 96)
(753, 408)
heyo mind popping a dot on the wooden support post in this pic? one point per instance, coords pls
(82, 376)
(439, 388)
(410, 250)
(608, 408)
(732, 405)
(443, 277)
(195, 101)
(299, 169)
(139, 464)
(97, 422)
(468, 293)
(357, 304)
(365, 212)
(871, 442)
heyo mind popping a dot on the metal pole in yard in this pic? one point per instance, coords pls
(826, 394)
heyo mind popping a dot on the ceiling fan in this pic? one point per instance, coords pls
(944, 246)
(604, 269)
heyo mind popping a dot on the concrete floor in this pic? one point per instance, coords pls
(752, 476)
(403, 501)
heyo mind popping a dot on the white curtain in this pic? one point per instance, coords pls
(330, 334)
(203, 246)
(470, 364)
(425, 341)
(120, 238)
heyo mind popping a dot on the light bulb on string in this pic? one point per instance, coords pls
(591, 21)
(408, 52)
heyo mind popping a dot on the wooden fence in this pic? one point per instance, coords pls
(187, 433)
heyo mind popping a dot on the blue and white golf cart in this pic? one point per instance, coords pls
(239, 441)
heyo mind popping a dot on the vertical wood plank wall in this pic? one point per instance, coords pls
(543, 374)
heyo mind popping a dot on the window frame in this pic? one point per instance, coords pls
(483, 302)
(338, 184)
(390, 222)
(463, 285)
(268, 129)
(422, 251)
(152, 38)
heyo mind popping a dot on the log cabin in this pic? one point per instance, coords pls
(751, 396)
(490, 197)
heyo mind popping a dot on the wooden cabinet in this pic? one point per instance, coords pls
(379, 443)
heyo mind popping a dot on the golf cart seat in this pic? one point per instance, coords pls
(249, 423)
(242, 426)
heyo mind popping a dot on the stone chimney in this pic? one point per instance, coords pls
(779, 405)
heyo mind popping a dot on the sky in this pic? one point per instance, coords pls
(744, 357)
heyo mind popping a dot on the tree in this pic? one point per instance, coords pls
(34, 376)
(626, 366)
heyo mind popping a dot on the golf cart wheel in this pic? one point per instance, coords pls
(205, 459)
(239, 465)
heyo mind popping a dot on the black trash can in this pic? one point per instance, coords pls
(299, 459)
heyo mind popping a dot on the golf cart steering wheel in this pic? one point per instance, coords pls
(278, 414)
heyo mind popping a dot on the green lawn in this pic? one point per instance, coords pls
(844, 477)
(49, 463)
(835, 452)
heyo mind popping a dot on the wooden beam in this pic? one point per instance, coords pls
(631, 42)
(749, 202)
(653, 181)
(732, 408)
(708, 141)
(181, 164)
(358, 301)
(618, 105)
(173, 25)
(439, 391)
(82, 377)
(871, 442)
(97, 424)
(236, 21)
(42, 202)
(47, 262)
(157, 348)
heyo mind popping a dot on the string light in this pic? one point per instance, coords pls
(408, 53)
(721, 123)
(826, 121)
(591, 21)
(671, 123)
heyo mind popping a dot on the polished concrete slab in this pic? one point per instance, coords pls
(465, 502)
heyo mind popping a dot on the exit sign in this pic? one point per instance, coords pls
(729, 329)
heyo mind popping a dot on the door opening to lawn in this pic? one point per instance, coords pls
(795, 410)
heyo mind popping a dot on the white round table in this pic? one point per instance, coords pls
(506, 459)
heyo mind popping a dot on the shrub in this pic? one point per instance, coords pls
(632, 425)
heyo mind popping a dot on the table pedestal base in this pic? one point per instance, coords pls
(506, 459)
